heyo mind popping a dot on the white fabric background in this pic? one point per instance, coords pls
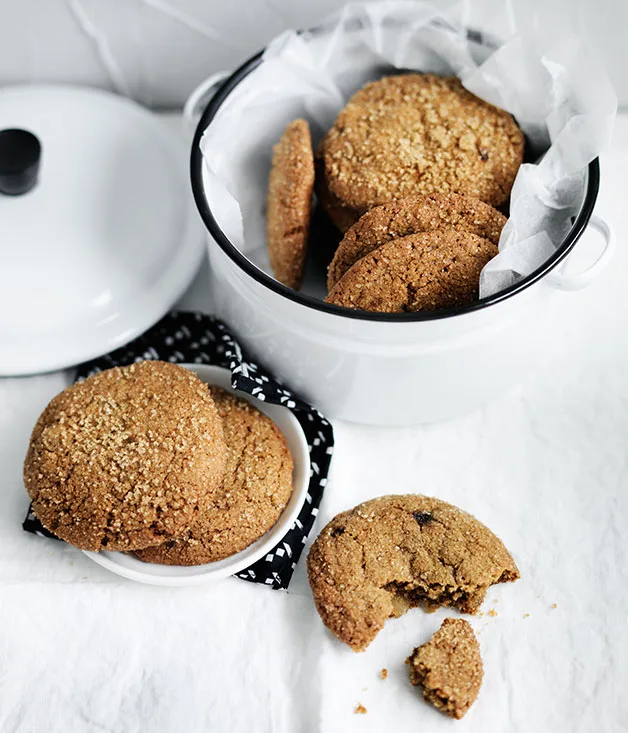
(545, 467)
(158, 50)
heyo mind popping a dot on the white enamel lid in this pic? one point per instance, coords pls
(108, 239)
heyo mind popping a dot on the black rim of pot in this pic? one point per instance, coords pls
(196, 169)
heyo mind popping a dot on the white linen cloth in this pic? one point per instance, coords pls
(544, 467)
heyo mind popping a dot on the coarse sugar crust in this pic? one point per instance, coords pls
(342, 217)
(289, 204)
(257, 487)
(448, 668)
(412, 215)
(420, 272)
(126, 458)
(419, 133)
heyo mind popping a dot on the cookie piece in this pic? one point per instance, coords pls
(413, 215)
(419, 133)
(420, 272)
(396, 552)
(449, 668)
(257, 482)
(127, 458)
(290, 187)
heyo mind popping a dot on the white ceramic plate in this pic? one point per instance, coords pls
(128, 566)
(106, 242)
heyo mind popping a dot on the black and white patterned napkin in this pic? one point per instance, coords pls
(195, 338)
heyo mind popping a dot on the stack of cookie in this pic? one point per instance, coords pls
(148, 459)
(410, 172)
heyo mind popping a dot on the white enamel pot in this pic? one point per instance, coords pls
(386, 369)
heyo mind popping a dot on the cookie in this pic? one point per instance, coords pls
(448, 668)
(257, 483)
(396, 552)
(420, 272)
(419, 134)
(290, 187)
(126, 459)
(413, 215)
(341, 216)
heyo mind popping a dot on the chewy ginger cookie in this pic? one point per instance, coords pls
(257, 487)
(127, 458)
(412, 215)
(419, 133)
(420, 272)
(289, 204)
(340, 216)
(396, 552)
(448, 668)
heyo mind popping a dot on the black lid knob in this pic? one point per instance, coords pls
(20, 152)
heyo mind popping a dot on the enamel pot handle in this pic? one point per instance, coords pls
(584, 278)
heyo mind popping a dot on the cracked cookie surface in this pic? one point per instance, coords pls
(420, 272)
(448, 668)
(419, 133)
(413, 215)
(395, 552)
(289, 205)
(257, 487)
(126, 458)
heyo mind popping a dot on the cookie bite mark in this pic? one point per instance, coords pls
(289, 204)
(448, 668)
(386, 561)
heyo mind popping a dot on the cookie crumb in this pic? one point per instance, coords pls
(554, 605)
(360, 709)
(384, 673)
(493, 613)
(526, 615)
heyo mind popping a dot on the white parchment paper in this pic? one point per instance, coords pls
(554, 87)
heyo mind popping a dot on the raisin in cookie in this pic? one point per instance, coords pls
(420, 272)
(126, 459)
(412, 215)
(395, 552)
(419, 133)
(257, 483)
(290, 187)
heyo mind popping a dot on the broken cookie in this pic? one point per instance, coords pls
(396, 552)
(448, 668)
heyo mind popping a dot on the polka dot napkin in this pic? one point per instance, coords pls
(200, 339)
